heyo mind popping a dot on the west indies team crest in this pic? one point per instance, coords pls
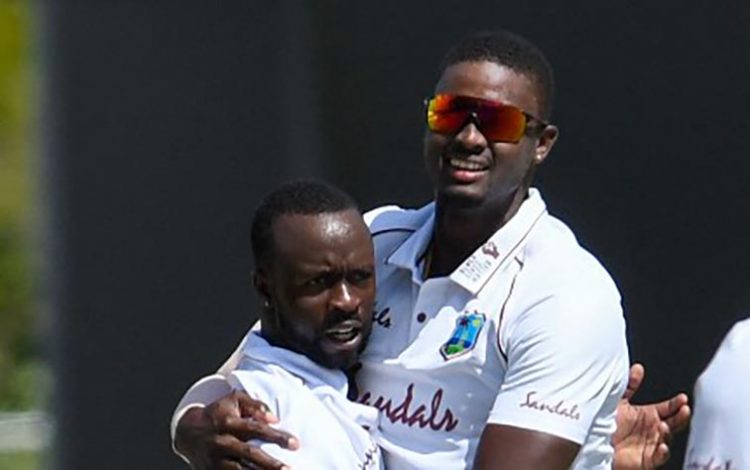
(464, 336)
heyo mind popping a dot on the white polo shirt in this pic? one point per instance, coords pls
(720, 427)
(311, 402)
(527, 332)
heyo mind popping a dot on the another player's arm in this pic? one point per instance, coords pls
(507, 447)
(215, 436)
(212, 424)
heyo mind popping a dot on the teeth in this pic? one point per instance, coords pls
(343, 331)
(465, 165)
(343, 334)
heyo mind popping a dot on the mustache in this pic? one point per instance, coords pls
(338, 317)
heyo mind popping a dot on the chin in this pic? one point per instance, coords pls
(461, 196)
(340, 361)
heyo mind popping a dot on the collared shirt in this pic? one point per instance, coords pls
(528, 332)
(311, 402)
(720, 427)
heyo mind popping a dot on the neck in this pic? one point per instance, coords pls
(460, 230)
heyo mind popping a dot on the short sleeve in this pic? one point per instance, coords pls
(567, 366)
(206, 391)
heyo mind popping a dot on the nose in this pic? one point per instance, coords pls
(470, 137)
(344, 297)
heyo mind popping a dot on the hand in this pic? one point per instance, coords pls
(643, 431)
(215, 437)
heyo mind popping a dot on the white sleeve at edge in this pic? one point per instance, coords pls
(205, 391)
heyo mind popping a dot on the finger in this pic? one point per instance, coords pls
(679, 421)
(670, 407)
(228, 465)
(635, 379)
(254, 458)
(245, 429)
(256, 409)
(665, 433)
(661, 455)
(648, 442)
(234, 454)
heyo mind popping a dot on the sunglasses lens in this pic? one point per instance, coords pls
(503, 124)
(447, 114)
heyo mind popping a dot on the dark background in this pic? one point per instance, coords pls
(164, 122)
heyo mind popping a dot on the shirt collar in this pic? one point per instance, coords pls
(313, 374)
(477, 269)
(412, 252)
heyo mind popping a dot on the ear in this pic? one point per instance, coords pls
(544, 144)
(262, 285)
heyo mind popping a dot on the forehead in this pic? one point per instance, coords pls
(309, 237)
(492, 81)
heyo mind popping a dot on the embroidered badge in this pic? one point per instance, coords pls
(464, 336)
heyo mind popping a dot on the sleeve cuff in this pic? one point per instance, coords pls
(204, 392)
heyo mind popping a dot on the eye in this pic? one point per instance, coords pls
(316, 281)
(360, 276)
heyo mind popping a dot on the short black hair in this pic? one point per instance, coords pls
(304, 196)
(512, 51)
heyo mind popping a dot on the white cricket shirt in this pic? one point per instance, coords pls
(310, 401)
(527, 332)
(720, 427)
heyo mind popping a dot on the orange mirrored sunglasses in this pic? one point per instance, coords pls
(498, 122)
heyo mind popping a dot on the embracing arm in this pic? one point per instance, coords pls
(506, 447)
(212, 423)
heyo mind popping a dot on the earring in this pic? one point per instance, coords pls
(267, 304)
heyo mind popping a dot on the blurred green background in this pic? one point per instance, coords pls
(21, 367)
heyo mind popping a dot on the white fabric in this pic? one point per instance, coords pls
(553, 339)
(720, 427)
(202, 393)
(551, 355)
(311, 403)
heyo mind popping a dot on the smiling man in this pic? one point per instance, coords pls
(315, 275)
(498, 341)
(506, 331)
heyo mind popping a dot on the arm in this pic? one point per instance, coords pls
(566, 370)
(211, 425)
(215, 436)
(506, 447)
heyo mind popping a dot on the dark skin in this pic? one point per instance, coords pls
(318, 288)
(470, 208)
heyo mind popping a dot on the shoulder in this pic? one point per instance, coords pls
(393, 219)
(390, 226)
(265, 382)
(558, 270)
(738, 336)
(729, 359)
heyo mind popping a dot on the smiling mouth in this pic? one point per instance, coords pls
(466, 165)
